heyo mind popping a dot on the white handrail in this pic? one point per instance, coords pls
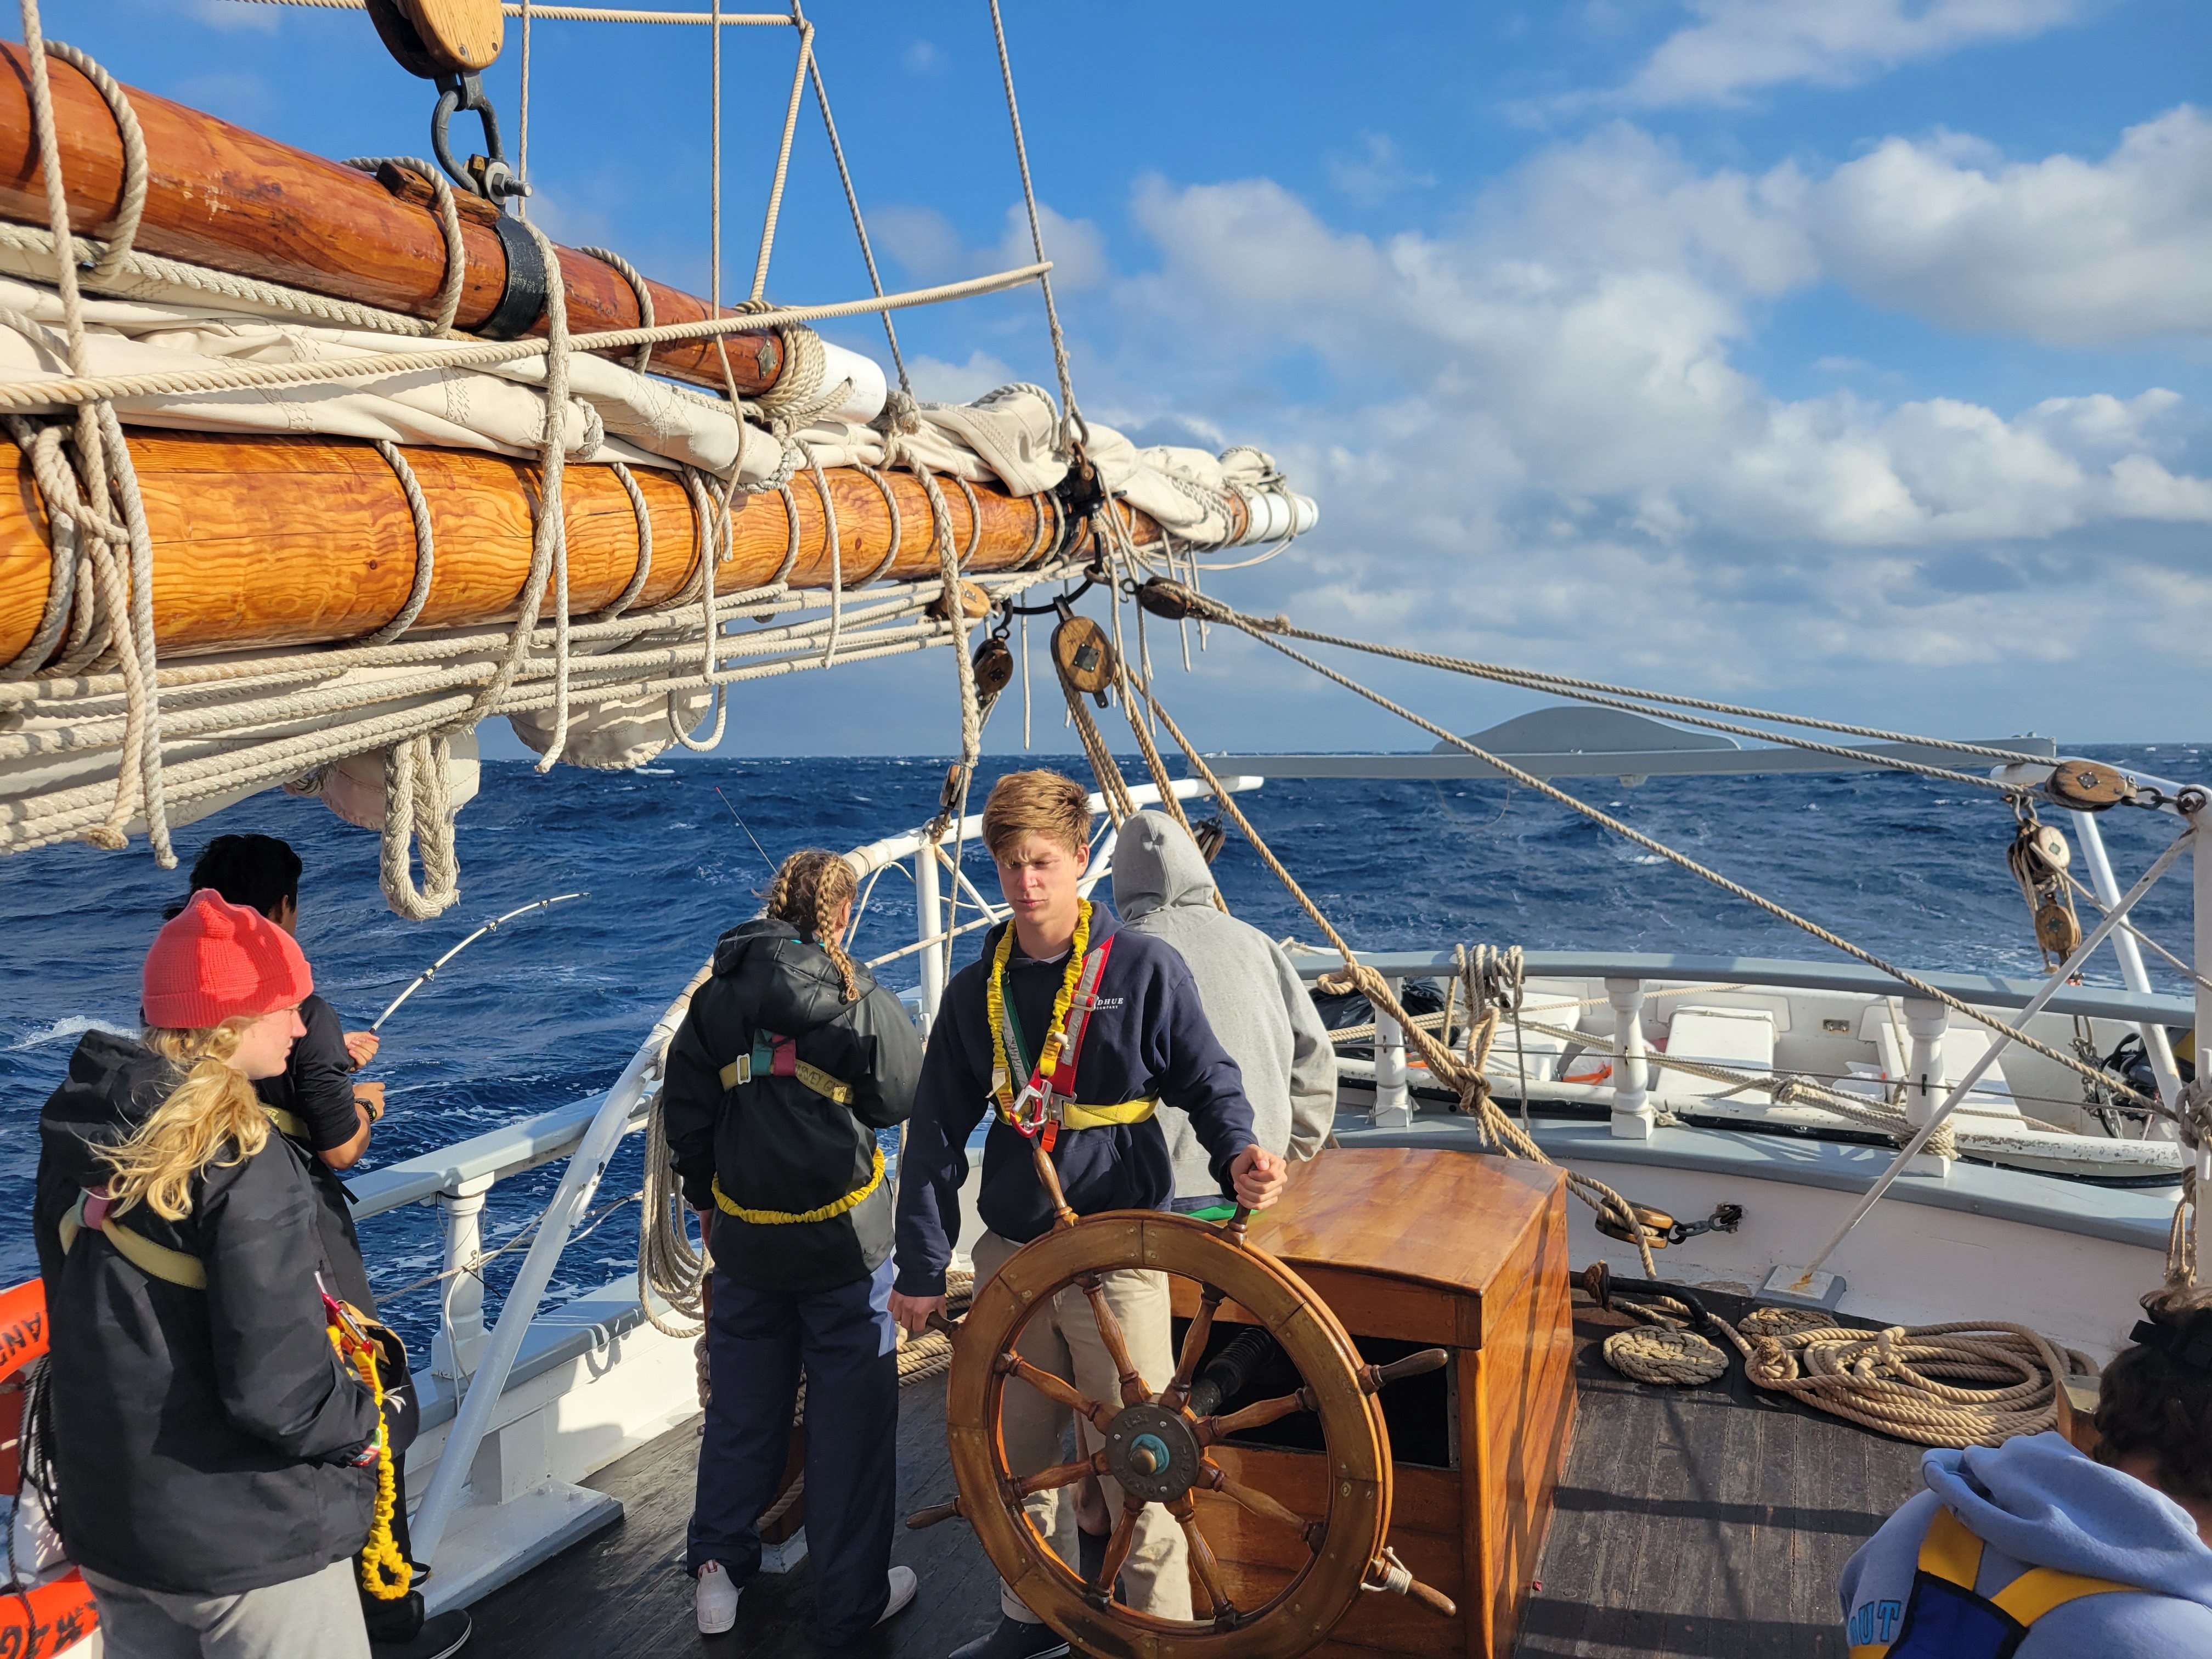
(570, 1202)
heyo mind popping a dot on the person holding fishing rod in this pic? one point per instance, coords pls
(314, 1102)
(788, 1062)
(219, 1455)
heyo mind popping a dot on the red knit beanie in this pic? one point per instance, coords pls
(216, 961)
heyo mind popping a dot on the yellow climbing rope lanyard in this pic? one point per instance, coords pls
(386, 1571)
(1043, 1106)
(729, 1205)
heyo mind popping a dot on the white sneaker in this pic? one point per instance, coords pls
(716, 1599)
(903, 1583)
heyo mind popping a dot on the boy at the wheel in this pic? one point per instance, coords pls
(1069, 1033)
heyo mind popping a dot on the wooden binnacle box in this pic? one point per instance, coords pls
(1415, 1249)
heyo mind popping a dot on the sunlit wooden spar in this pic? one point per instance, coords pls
(232, 200)
(277, 541)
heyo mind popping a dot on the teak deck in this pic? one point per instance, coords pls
(1709, 1523)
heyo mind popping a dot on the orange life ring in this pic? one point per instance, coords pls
(54, 1617)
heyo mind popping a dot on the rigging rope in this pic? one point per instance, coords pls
(1466, 1078)
(1264, 633)
(1072, 423)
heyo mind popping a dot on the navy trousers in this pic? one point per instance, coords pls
(757, 1343)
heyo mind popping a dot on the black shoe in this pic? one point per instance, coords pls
(448, 1633)
(1090, 1552)
(1012, 1639)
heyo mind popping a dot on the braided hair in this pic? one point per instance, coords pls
(809, 892)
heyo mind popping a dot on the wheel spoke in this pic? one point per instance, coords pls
(1056, 1391)
(1118, 1547)
(1213, 1430)
(1201, 1559)
(1213, 1477)
(1133, 1391)
(1060, 1474)
(1193, 1350)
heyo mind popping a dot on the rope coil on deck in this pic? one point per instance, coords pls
(1972, 1382)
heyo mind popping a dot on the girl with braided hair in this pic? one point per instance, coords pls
(790, 1061)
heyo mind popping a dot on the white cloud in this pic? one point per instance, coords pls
(235, 95)
(937, 382)
(922, 58)
(1374, 170)
(1536, 432)
(2061, 250)
(930, 246)
(1739, 46)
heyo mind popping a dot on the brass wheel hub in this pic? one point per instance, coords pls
(1153, 1453)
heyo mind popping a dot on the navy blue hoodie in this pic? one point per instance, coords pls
(1148, 1037)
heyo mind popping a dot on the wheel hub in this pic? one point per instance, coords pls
(1153, 1453)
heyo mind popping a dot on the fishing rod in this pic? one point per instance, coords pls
(491, 926)
(772, 865)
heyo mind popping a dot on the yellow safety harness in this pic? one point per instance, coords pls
(1046, 1103)
(385, 1570)
(1944, 1619)
(777, 1056)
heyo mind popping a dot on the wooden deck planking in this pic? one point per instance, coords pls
(1711, 1522)
(1705, 1521)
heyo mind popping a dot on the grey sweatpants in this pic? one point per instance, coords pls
(317, 1617)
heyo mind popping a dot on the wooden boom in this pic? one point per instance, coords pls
(286, 541)
(233, 200)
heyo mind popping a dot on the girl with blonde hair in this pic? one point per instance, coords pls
(790, 1061)
(216, 1458)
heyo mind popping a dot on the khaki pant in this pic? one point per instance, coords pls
(1062, 1338)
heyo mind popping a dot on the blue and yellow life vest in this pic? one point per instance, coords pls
(1943, 1618)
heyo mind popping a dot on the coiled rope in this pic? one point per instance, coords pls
(1966, 1383)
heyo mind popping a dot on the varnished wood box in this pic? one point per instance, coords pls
(1433, 1249)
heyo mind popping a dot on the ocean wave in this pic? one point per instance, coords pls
(69, 1031)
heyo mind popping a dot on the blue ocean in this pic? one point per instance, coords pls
(546, 1011)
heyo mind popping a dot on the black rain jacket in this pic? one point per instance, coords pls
(205, 1438)
(315, 1093)
(774, 1143)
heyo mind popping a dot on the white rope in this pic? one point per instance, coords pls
(853, 205)
(105, 455)
(522, 146)
(426, 552)
(418, 807)
(83, 388)
(449, 227)
(782, 155)
(639, 287)
(628, 597)
(1071, 421)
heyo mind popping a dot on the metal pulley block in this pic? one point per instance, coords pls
(1085, 656)
(2090, 786)
(431, 38)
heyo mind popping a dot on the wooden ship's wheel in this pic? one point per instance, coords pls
(1156, 1442)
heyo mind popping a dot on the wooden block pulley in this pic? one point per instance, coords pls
(1658, 1226)
(2057, 929)
(1084, 655)
(2089, 786)
(431, 38)
(994, 665)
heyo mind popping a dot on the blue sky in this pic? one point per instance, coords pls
(1847, 355)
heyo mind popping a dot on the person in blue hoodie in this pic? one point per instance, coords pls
(1070, 1033)
(2034, 1550)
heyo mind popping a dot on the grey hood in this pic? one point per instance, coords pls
(1250, 991)
(1156, 865)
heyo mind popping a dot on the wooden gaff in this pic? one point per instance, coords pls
(219, 196)
(286, 541)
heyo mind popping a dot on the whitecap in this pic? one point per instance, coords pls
(63, 1029)
(654, 771)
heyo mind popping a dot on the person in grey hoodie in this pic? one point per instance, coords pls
(1252, 996)
(2135, 1516)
